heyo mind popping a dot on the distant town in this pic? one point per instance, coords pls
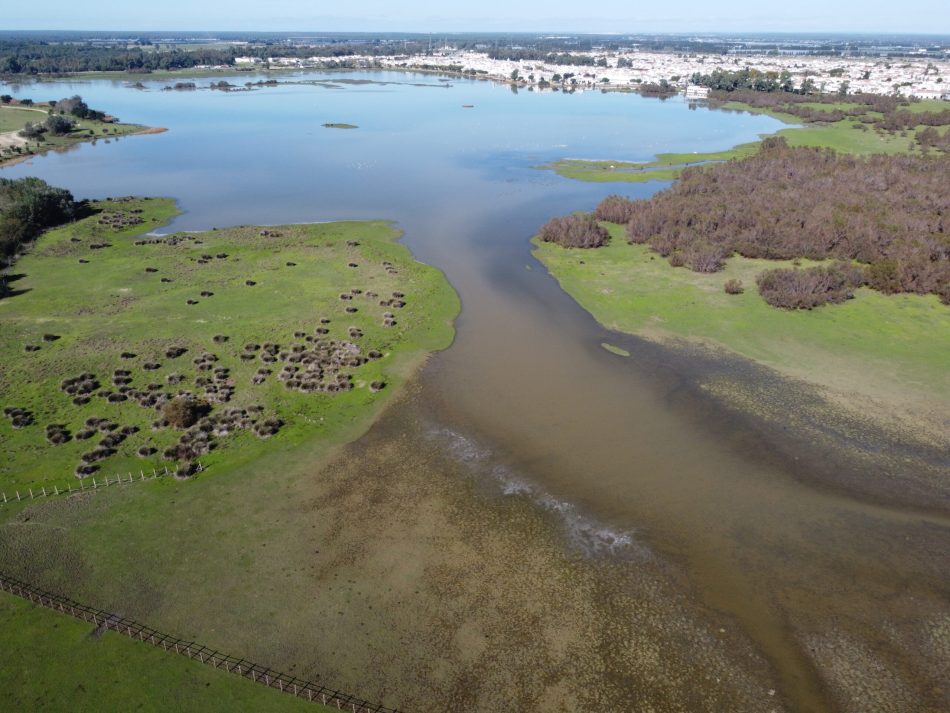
(925, 78)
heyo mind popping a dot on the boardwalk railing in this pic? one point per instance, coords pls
(274, 679)
(86, 485)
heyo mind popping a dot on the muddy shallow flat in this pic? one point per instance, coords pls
(411, 581)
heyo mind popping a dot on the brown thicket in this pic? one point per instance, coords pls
(614, 209)
(575, 231)
(891, 213)
(810, 287)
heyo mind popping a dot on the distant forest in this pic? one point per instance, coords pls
(34, 57)
(63, 52)
(884, 219)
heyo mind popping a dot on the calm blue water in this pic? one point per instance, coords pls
(263, 156)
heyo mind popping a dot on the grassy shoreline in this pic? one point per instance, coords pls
(844, 136)
(258, 286)
(14, 118)
(889, 350)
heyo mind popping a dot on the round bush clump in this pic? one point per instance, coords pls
(184, 411)
(84, 470)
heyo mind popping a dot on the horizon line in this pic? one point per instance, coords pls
(496, 31)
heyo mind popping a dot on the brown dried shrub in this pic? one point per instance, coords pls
(575, 231)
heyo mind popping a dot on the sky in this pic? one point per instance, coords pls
(576, 16)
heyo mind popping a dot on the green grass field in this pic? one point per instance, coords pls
(843, 136)
(111, 304)
(54, 663)
(14, 118)
(891, 348)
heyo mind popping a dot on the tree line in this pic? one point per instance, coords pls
(28, 206)
(30, 57)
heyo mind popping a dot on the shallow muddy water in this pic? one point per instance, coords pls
(787, 530)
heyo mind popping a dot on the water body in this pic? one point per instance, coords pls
(628, 456)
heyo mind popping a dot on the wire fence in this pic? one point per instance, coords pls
(87, 484)
(104, 621)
